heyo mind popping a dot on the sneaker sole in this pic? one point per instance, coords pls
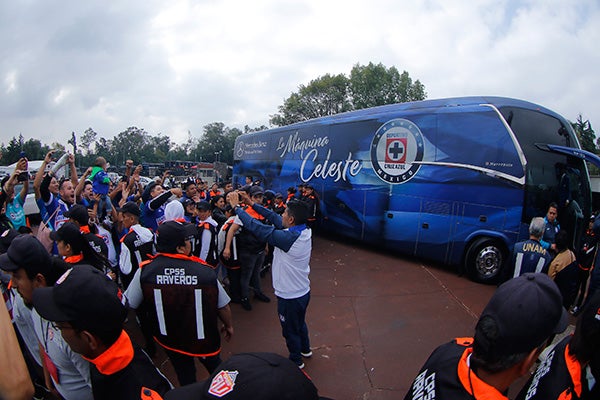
(307, 355)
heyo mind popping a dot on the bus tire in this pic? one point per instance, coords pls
(485, 260)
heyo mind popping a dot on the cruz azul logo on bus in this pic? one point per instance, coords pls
(397, 151)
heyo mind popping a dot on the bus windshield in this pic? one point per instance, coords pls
(550, 177)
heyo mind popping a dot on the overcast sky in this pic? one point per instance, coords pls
(173, 66)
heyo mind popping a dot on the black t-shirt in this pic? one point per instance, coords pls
(560, 376)
(127, 383)
(447, 375)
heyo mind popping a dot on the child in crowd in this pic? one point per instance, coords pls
(101, 184)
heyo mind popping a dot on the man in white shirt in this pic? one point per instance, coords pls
(292, 240)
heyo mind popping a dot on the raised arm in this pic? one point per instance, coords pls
(37, 182)
(73, 169)
(81, 183)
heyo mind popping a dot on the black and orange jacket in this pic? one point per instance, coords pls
(233, 262)
(96, 241)
(313, 206)
(279, 208)
(587, 253)
(180, 293)
(212, 257)
(123, 370)
(139, 247)
(246, 241)
(559, 377)
(447, 375)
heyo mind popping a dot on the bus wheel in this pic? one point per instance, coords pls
(485, 259)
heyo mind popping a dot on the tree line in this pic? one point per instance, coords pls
(216, 143)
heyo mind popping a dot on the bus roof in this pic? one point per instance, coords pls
(423, 104)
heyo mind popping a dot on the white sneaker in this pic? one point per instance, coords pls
(301, 366)
(307, 354)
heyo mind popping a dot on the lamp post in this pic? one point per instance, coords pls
(217, 156)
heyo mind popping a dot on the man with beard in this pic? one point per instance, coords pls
(57, 196)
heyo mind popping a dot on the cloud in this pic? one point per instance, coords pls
(177, 66)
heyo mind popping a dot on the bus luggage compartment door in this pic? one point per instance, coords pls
(401, 224)
(435, 228)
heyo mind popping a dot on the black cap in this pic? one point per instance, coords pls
(254, 190)
(83, 295)
(147, 190)
(130, 207)
(79, 213)
(527, 310)
(203, 205)
(26, 252)
(6, 239)
(187, 202)
(257, 376)
(171, 234)
(68, 233)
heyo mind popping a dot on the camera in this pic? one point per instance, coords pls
(23, 176)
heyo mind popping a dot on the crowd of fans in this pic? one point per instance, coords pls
(174, 255)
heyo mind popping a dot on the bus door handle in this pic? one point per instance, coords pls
(482, 218)
(425, 225)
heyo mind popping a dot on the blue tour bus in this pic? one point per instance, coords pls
(452, 180)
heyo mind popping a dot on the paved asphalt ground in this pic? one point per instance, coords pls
(373, 320)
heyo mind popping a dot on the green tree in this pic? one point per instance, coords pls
(178, 153)
(216, 142)
(34, 150)
(13, 150)
(587, 139)
(157, 148)
(585, 134)
(104, 147)
(375, 85)
(132, 143)
(368, 86)
(247, 129)
(326, 95)
(87, 139)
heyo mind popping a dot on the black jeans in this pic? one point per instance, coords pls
(186, 369)
(251, 264)
(292, 313)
